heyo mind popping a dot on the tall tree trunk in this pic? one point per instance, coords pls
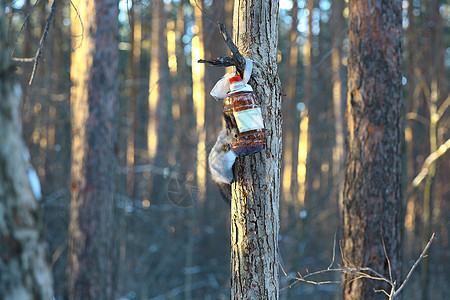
(437, 90)
(198, 94)
(25, 273)
(157, 90)
(291, 118)
(303, 140)
(135, 58)
(372, 181)
(158, 132)
(337, 28)
(94, 108)
(255, 192)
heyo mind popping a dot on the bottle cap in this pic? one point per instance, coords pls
(235, 79)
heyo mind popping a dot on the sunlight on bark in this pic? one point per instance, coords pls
(154, 86)
(198, 93)
(292, 97)
(302, 156)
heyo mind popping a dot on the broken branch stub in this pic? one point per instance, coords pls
(236, 59)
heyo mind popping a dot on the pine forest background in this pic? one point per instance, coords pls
(172, 226)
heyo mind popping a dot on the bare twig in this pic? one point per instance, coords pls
(18, 59)
(20, 32)
(425, 250)
(42, 41)
(429, 160)
(334, 251)
(304, 278)
(416, 117)
(385, 254)
(224, 61)
(203, 13)
(58, 253)
(353, 273)
(236, 59)
(81, 25)
(444, 106)
(328, 54)
(382, 291)
(165, 171)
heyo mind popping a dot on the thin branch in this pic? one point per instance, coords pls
(422, 85)
(58, 253)
(224, 61)
(433, 237)
(383, 291)
(204, 14)
(282, 269)
(165, 171)
(416, 117)
(81, 25)
(239, 59)
(129, 13)
(18, 59)
(429, 160)
(21, 29)
(444, 106)
(354, 273)
(328, 54)
(377, 276)
(42, 41)
(334, 251)
(385, 254)
(236, 59)
(304, 278)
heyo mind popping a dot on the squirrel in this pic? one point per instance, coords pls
(221, 160)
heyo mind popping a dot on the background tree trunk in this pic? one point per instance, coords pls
(291, 117)
(373, 172)
(304, 139)
(24, 271)
(94, 105)
(198, 97)
(337, 36)
(255, 200)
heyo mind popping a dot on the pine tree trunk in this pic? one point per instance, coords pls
(24, 271)
(198, 95)
(337, 28)
(437, 83)
(94, 113)
(303, 139)
(255, 200)
(157, 90)
(291, 118)
(135, 57)
(373, 172)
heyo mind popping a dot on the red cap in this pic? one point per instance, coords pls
(235, 79)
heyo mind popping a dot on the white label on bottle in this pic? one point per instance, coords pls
(249, 119)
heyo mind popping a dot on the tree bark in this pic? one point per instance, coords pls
(373, 171)
(255, 199)
(24, 271)
(94, 112)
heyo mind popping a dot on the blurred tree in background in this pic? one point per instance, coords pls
(171, 228)
(24, 270)
(91, 262)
